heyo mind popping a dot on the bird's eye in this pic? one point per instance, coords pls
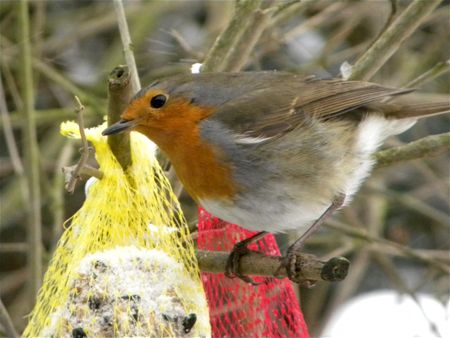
(158, 101)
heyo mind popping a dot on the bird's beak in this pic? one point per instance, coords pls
(119, 127)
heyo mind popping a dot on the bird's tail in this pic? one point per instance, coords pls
(403, 109)
(402, 114)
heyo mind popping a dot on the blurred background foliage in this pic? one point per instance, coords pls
(75, 44)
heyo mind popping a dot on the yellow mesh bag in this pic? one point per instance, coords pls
(125, 266)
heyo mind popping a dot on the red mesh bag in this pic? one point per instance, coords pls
(238, 309)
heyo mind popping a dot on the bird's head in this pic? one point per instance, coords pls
(162, 108)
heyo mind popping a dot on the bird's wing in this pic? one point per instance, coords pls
(278, 108)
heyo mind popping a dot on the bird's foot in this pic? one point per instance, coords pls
(290, 261)
(240, 249)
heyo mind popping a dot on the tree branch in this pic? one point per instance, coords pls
(432, 145)
(120, 92)
(127, 45)
(73, 174)
(123, 83)
(308, 267)
(11, 144)
(225, 44)
(391, 39)
(53, 75)
(34, 230)
(244, 45)
(406, 251)
(437, 70)
(6, 321)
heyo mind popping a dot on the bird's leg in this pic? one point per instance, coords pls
(240, 249)
(291, 255)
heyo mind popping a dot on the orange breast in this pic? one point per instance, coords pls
(201, 167)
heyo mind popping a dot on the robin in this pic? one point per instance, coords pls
(270, 151)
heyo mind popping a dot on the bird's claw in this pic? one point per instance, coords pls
(232, 267)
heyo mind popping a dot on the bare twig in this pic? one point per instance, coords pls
(391, 39)
(127, 45)
(244, 45)
(79, 111)
(338, 38)
(143, 18)
(55, 76)
(13, 247)
(177, 187)
(329, 13)
(13, 281)
(406, 251)
(42, 116)
(9, 135)
(437, 70)
(440, 255)
(416, 204)
(395, 277)
(57, 191)
(51, 73)
(179, 38)
(94, 25)
(6, 321)
(428, 146)
(31, 152)
(73, 174)
(123, 83)
(226, 41)
(373, 221)
(11, 145)
(120, 93)
(285, 6)
(309, 268)
(389, 21)
(39, 22)
(10, 81)
(285, 11)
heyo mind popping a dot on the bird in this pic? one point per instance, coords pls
(270, 151)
